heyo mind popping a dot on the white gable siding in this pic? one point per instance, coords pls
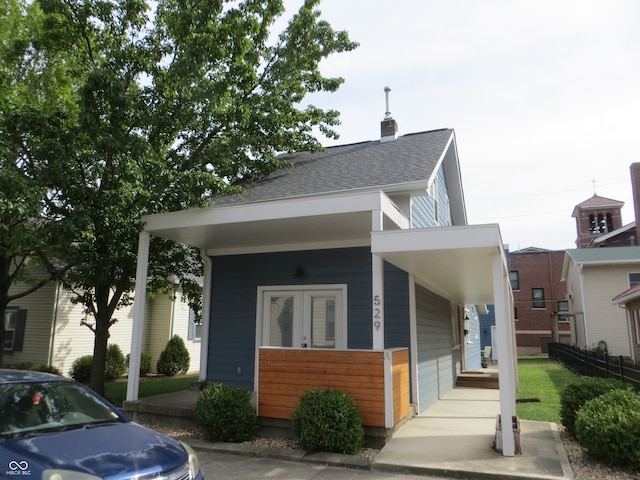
(158, 322)
(574, 287)
(54, 334)
(73, 340)
(606, 321)
(181, 321)
(167, 315)
(39, 306)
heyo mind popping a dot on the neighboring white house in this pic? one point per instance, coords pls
(45, 328)
(594, 277)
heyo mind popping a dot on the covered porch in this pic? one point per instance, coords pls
(463, 264)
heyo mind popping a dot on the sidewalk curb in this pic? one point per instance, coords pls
(292, 455)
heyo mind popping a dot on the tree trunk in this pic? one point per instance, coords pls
(5, 284)
(103, 318)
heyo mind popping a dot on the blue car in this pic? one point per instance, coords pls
(53, 428)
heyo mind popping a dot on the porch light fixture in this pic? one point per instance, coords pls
(299, 271)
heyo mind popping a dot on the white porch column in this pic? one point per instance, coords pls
(138, 316)
(377, 287)
(206, 315)
(506, 354)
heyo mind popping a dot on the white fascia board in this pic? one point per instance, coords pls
(566, 264)
(437, 238)
(621, 261)
(278, 209)
(392, 212)
(627, 299)
(451, 163)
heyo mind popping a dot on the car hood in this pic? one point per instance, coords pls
(114, 451)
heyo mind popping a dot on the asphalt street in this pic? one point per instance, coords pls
(221, 466)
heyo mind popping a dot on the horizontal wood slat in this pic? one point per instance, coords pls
(285, 374)
(400, 368)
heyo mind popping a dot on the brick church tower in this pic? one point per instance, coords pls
(595, 217)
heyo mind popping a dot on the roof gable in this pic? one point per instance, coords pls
(407, 163)
(619, 231)
(597, 202)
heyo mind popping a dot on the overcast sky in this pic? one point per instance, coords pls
(544, 97)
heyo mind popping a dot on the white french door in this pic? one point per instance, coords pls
(303, 317)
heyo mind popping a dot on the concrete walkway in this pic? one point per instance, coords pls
(451, 439)
(454, 439)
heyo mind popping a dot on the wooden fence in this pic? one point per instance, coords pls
(378, 381)
(596, 363)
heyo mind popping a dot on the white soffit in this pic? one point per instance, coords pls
(455, 262)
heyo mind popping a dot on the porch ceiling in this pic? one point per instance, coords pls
(263, 227)
(456, 262)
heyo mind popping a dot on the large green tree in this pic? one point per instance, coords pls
(168, 108)
(34, 89)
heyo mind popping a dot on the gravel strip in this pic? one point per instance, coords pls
(583, 467)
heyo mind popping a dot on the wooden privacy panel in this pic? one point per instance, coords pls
(285, 374)
(400, 361)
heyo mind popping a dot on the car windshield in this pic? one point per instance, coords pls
(40, 407)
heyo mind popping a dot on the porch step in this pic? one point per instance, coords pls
(475, 379)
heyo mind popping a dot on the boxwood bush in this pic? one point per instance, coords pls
(328, 421)
(608, 428)
(81, 369)
(575, 394)
(225, 413)
(174, 359)
(115, 365)
(145, 363)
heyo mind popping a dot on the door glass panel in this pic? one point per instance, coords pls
(323, 321)
(281, 321)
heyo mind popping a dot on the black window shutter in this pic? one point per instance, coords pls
(19, 333)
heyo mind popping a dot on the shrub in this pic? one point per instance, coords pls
(81, 369)
(174, 359)
(115, 365)
(225, 413)
(608, 428)
(328, 421)
(145, 363)
(576, 393)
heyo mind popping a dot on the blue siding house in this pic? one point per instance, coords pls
(359, 250)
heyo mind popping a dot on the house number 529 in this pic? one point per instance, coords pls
(377, 312)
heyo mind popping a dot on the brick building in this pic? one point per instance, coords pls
(538, 295)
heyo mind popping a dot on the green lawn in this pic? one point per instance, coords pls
(538, 378)
(541, 379)
(116, 392)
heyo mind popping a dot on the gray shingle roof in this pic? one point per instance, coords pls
(359, 166)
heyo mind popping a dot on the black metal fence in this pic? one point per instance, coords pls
(596, 363)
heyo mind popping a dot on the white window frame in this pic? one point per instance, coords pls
(301, 291)
(8, 314)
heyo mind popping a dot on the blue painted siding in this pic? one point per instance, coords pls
(473, 351)
(487, 321)
(397, 331)
(233, 302)
(437, 361)
(423, 211)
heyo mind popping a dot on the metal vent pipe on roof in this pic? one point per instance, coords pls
(388, 126)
